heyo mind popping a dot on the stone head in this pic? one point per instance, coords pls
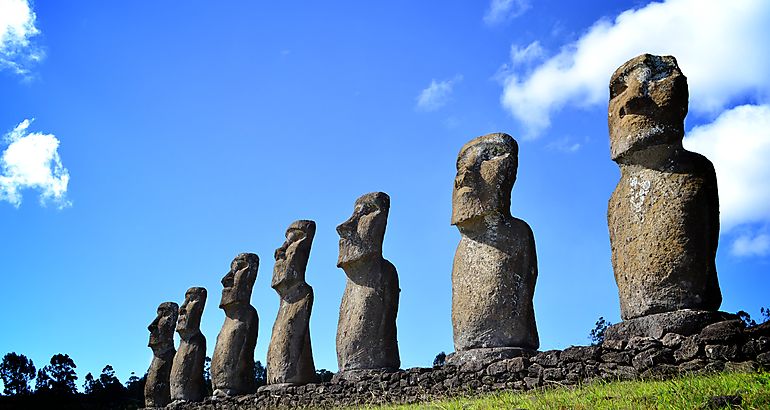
(362, 234)
(291, 258)
(190, 312)
(648, 103)
(162, 328)
(486, 172)
(239, 281)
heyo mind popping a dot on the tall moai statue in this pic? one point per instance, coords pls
(366, 331)
(664, 213)
(232, 366)
(187, 381)
(157, 391)
(289, 356)
(495, 265)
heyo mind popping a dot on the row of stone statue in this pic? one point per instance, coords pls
(663, 221)
(366, 336)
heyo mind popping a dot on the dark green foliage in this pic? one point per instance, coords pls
(746, 319)
(135, 387)
(58, 377)
(260, 374)
(765, 314)
(16, 370)
(440, 360)
(597, 333)
(207, 375)
(109, 384)
(89, 385)
(42, 382)
(324, 375)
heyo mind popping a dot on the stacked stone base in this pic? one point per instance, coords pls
(722, 346)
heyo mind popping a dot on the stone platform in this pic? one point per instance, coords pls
(723, 345)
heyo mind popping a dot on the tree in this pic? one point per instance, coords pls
(260, 374)
(746, 319)
(597, 333)
(16, 370)
(58, 377)
(440, 360)
(135, 387)
(109, 384)
(42, 382)
(207, 375)
(765, 314)
(90, 386)
(324, 375)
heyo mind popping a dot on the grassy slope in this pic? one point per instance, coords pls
(687, 392)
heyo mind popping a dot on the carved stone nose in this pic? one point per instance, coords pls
(344, 229)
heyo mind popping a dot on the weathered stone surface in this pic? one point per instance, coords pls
(685, 322)
(622, 357)
(640, 343)
(495, 265)
(759, 330)
(688, 349)
(157, 391)
(652, 357)
(366, 331)
(187, 381)
(548, 358)
(672, 340)
(692, 366)
(232, 365)
(479, 358)
(728, 331)
(756, 346)
(290, 356)
(664, 213)
(361, 388)
(579, 354)
(721, 352)
(764, 359)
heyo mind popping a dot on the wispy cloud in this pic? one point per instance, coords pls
(738, 143)
(722, 49)
(31, 161)
(751, 245)
(437, 94)
(17, 28)
(526, 55)
(565, 145)
(500, 11)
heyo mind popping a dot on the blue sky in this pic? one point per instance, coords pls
(145, 144)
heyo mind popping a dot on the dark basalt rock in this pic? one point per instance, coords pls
(684, 322)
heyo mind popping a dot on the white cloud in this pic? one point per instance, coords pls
(720, 46)
(738, 143)
(502, 10)
(747, 245)
(17, 27)
(437, 94)
(31, 161)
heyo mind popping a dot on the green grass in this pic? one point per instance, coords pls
(686, 392)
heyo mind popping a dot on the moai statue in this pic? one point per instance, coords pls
(289, 356)
(366, 332)
(187, 381)
(495, 265)
(664, 213)
(232, 366)
(157, 392)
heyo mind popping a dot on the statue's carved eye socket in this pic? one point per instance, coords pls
(617, 88)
